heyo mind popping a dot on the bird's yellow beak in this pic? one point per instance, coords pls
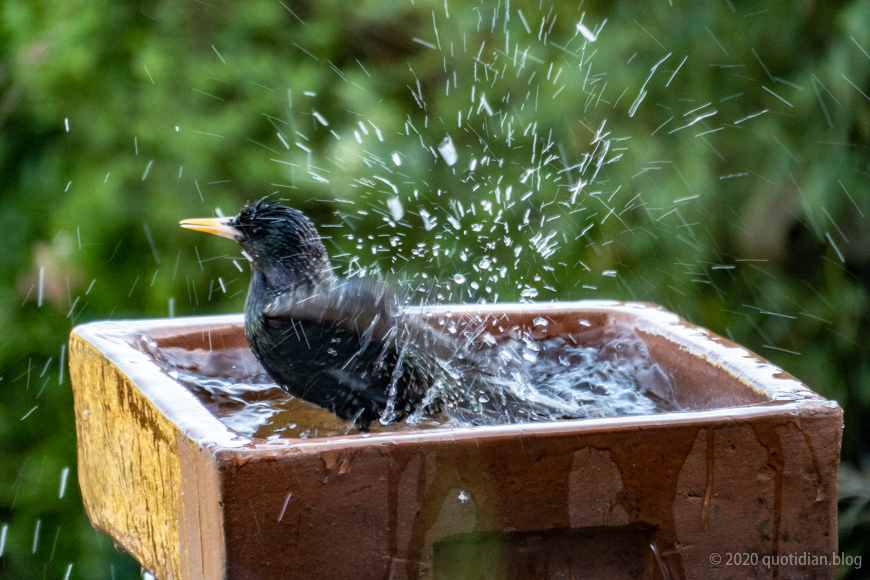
(216, 226)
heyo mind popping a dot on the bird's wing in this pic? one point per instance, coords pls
(352, 346)
(372, 310)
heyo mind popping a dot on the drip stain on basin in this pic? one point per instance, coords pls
(212, 471)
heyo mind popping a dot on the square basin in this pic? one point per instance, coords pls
(739, 482)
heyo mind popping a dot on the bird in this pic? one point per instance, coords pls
(358, 347)
(351, 345)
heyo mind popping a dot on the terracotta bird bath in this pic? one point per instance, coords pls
(742, 477)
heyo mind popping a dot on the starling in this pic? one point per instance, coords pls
(349, 345)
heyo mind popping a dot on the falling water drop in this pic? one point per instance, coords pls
(36, 537)
(394, 204)
(64, 474)
(428, 222)
(448, 151)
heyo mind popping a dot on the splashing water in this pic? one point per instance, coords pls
(604, 372)
(500, 184)
(507, 193)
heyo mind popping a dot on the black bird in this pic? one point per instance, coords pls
(349, 345)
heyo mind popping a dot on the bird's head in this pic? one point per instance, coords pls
(279, 241)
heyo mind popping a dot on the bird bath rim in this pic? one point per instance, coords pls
(781, 393)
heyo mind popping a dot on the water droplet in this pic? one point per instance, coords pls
(428, 222)
(529, 293)
(464, 496)
(448, 151)
(459, 278)
(394, 204)
(540, 321)
(396, 159)
(590, 35)
(484, 264)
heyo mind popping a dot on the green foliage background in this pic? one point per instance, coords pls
(118, 118)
